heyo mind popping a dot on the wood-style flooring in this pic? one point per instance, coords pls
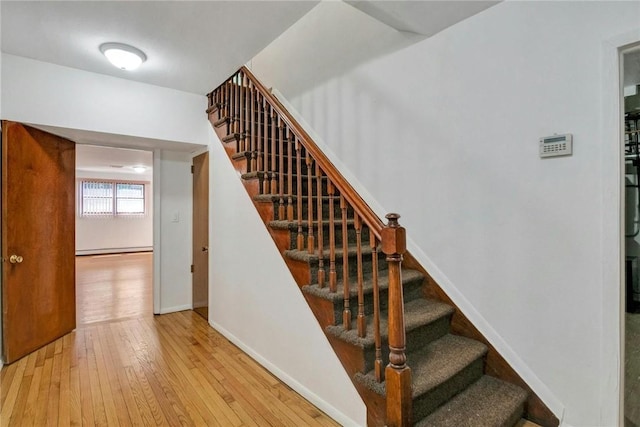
(113, 287)
(140, 369)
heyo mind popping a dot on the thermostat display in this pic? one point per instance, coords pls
(556, 145)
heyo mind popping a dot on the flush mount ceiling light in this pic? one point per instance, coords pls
(139, 169)
(123, 56)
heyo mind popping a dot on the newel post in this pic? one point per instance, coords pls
(397, 373)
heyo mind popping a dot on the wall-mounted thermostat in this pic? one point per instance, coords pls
(556, 145)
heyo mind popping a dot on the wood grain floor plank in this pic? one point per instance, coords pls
(53, 403)
(42, 399)
(142, 370)
(11, 396)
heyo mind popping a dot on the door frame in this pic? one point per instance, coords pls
(193, 204)
(613, 241)
(622, 50)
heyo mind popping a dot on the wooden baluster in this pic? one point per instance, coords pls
(300, 239)
(242, 105)
(310, 238)
(210, 102)
(274, 138)
(219, 100)
(265, 177)
(234, 103)
(290, 151)
(321, 273)
(228, 110)
(246, 111)
(238, 108)
(346, 314)
(397, 373)
(333, 286)
(253, 166)
(282, 142)
(260, 165)
(376, 307)
(361, 320)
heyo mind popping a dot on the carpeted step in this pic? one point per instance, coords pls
(487, 402)
(425, 321)
(439, 371)
(292, 227)
(312, 260)
(337, 212)
(411, 282)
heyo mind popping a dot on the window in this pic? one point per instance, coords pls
(107, 198)
(129, 199)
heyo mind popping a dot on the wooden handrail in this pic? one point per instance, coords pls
(271, 143)
(361, 207)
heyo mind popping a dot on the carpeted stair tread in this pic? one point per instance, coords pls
(434, 364)
(255, 174)
(418, 313)
(293, 226)
(241, 155)
(408, 277)
(487, 402)
(305, 256)
(276, 197)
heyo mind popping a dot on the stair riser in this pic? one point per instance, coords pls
(427, 403)
(351, 237)
(411, 291)
(337, 212)
(294, 191)
(416, 338)
(353, 267)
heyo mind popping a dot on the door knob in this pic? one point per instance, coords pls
(205, 249)
(15, 259)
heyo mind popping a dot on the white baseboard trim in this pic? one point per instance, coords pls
(540, 388)
(316, 400)
(173, 309)
(103, 251)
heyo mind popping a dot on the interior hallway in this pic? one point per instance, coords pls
(138, 369)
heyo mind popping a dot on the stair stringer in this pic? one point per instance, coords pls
(495, 364)
(251, 324)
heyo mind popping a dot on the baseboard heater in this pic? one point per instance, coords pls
(104, 251)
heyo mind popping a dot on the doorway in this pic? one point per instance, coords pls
(631, 91)
(200, 252)
(114, 233)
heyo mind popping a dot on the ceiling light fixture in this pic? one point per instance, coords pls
(123, 56)
(139, 169)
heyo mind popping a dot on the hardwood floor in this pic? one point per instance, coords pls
(112, 287)
(140, 369)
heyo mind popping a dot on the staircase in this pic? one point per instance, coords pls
(394, 341)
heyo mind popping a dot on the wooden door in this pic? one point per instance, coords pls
(38, 239)
(200, 275)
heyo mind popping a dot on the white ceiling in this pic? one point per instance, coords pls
(107, 160)
(421, 17)
(190, 45)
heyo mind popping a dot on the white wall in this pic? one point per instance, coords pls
(173, 221)
(454, 120)
(114, 233)
(42, 93)
(254, 301)
(50, 95)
